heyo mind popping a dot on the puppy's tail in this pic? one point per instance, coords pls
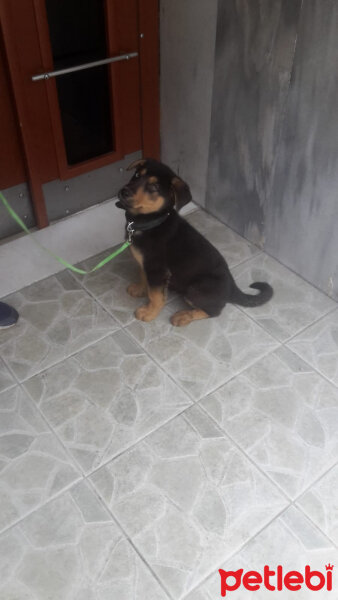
(239, 297)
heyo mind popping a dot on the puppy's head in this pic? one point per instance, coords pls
(152, 189)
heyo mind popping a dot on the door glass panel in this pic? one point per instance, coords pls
(78, 35)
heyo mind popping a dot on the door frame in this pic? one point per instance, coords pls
(148, 49)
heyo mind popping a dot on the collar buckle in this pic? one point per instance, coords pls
(130, 231)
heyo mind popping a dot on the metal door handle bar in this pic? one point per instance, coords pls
(90, 65)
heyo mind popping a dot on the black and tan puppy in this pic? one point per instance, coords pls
(172, 253)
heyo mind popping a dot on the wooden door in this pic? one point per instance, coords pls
(93, 114)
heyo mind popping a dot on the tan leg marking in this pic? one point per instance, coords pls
(184, 317)
(149, 311)
(156, 296)
(138, 290)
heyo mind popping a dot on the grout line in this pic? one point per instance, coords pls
(279, 344)
(237, 551)
(115, 519)
(86, 477)
(58, 362)
(315, 525)
(245, 260)
(82, 475)
(73, 460)
(249, 366)
(245, 452)
(318, 529)
(294, 335)
(98, 299)
(276, 516)
(193, 402)
(248, 457)
(39, 506)
(115, 322)
(124, 328)
(66, 490)
(9, 388)
(16, 380)
(314, 368)
(218, 386)
(315, 481)
(136, 442)
(177, 384)
(315, 322)
(292, 501)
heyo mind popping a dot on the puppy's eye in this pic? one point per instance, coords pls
(152, 188)
(137, 174)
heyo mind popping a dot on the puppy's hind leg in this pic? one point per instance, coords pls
(184, 317)
(207, 297)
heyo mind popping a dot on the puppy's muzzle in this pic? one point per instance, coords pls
(125, 198)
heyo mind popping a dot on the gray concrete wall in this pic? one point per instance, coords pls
(273, 161)
(188, 33)
(302, 212)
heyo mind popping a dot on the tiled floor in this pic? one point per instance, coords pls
(137, 459)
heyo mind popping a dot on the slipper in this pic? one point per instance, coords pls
(8, 316)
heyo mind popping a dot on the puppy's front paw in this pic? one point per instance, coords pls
(136, 290)
(145, 313)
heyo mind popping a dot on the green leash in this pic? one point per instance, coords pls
(58, 258)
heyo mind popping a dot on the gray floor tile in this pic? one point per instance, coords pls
(71, 549)
(6, 378)
(185, 494)
(205, 354)
(105, 398)
(320, 502)
(123, 266)
(318, 345)
(232, 246)
(33, 465)
(110, 283)
(295, 303)
(284, 415)
(187, 498)
(291, 541)
(57, 318)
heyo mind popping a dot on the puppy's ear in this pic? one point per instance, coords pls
(182, 193)
(137, 163)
